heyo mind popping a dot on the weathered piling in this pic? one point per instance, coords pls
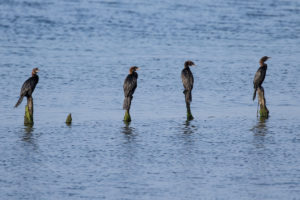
(189, 115)
(28, 118)
(127, 117)
(69, 119)
(264, 112)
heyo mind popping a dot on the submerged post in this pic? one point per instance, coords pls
(28, 118)
(127, 117)
(69, 119)
(264, 112)
(189, 115)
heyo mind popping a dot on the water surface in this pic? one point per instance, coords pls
(84, 50)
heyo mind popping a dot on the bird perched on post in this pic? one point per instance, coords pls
(129, 87)
(187, 80)
(28, 86)
(260, 74)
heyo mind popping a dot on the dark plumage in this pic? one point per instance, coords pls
(260, 75)
(28, 86)
(129, 87)
(187, 80)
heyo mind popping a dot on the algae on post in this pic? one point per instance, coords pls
(189, 115)
(127, 117)
(28, 118)
(69, 119)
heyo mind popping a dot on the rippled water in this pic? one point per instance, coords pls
(84, 50)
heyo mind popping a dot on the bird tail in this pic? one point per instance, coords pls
(19, 101)
(127, 103)
(254, 94)
(188, 95)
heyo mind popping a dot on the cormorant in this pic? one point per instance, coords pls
(260, 74)
(129, 87)
(28, 86)
(187, 80)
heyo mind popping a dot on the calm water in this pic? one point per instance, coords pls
(84, 50)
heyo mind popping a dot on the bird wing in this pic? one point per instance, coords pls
(257, 78)
(29, 86)
(187, 79)
(130, 85)
(192, 80)
(25, 87)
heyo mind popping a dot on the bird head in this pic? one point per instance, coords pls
(35, 71)
(133, 69)
(189, 63)
(263, 60)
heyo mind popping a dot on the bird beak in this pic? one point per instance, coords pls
(137, 68)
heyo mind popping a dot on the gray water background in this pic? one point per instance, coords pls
(84, 50)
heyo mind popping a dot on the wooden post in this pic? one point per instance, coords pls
(264, 112)
(127, 117)
(28, 118)
(189, 115)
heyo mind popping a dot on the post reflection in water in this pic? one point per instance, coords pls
(28, 137)
(260, 130)
(188, 128)
(127, 130)
(28, 133)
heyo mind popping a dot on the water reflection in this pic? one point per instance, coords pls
(28, 129)
(188, 128)
(129, 133)
(260, 130)
(127, 130)
(28, 134)
(69, 125)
